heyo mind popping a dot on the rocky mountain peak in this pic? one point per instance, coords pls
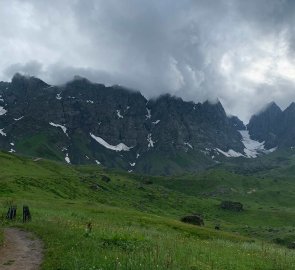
(22, 81)
(270, 111)
(273, 107)
(274, 126)
(290, 108)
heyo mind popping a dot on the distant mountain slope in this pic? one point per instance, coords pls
(86, 123)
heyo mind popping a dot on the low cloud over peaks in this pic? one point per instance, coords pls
(241, 52)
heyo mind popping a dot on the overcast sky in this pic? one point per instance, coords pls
(240, 51)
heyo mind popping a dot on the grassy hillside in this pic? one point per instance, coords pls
(135, 218)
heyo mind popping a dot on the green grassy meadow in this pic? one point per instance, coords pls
(135, 218)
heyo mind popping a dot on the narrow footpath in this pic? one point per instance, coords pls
(21, 251)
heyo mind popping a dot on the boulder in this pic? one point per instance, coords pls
(233, 206)
(193, 219)
(96, 186)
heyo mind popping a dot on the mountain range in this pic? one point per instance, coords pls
(82, 122)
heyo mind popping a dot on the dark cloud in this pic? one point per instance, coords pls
(241, 52)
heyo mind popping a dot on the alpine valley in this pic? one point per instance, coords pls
(206, 192)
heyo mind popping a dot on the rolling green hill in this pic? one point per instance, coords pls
(135, 218)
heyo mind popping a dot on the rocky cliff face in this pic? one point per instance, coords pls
(86, 123)
(274, 126)
(263, 126)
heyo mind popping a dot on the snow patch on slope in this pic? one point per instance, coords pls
(188, 144)
(150, 141)
(119, 147)
(67, 159)
(2, 132)
(149, 114)
(17, 119)
(253, 148)
(64, 129)
(156, 122)
(58, 97)
(230, 153)
(2, 111)
(268, 151)
(119, 114)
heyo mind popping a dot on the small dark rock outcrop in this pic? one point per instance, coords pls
(233, 206)
(193, 219)
(97, 187)
(105, 178)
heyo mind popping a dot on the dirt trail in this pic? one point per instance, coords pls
(21, 251)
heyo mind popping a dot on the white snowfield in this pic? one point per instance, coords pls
(2, 111)
(118, 148)
(252, 148)
(64, 129)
